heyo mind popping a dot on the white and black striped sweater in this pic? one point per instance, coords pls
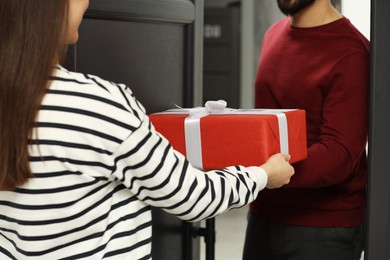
(98, 168)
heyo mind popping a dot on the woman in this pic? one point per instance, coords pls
(76, 183)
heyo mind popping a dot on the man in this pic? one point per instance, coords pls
(316, 60)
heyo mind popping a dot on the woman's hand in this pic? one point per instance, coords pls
(279, 170)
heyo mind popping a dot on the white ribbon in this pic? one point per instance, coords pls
(193, 139)
(193, 132)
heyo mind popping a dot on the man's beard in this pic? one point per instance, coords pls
(291, 7)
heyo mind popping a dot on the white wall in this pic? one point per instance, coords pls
(358, 11)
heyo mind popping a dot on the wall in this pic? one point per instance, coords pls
(358, 11)
(257, 16)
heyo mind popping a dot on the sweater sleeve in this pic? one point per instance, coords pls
(344, 127)
(160, 176)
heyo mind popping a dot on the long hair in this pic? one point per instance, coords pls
(32, 40)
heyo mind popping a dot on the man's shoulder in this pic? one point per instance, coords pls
(282, 23)
(277, 29)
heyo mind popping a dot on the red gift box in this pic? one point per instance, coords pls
(235, 137)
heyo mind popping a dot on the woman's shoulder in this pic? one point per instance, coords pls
(92, 87)
(84, 82)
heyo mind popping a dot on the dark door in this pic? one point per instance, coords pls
(221, 61)
(153, 47)
(378, 219)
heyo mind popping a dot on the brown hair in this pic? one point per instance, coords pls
(32, 37)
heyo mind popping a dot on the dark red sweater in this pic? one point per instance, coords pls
(325, 71)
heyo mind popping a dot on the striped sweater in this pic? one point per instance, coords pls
(98, 168)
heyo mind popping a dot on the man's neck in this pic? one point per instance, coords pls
(319, 13)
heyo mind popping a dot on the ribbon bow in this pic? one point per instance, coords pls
(215, 107)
